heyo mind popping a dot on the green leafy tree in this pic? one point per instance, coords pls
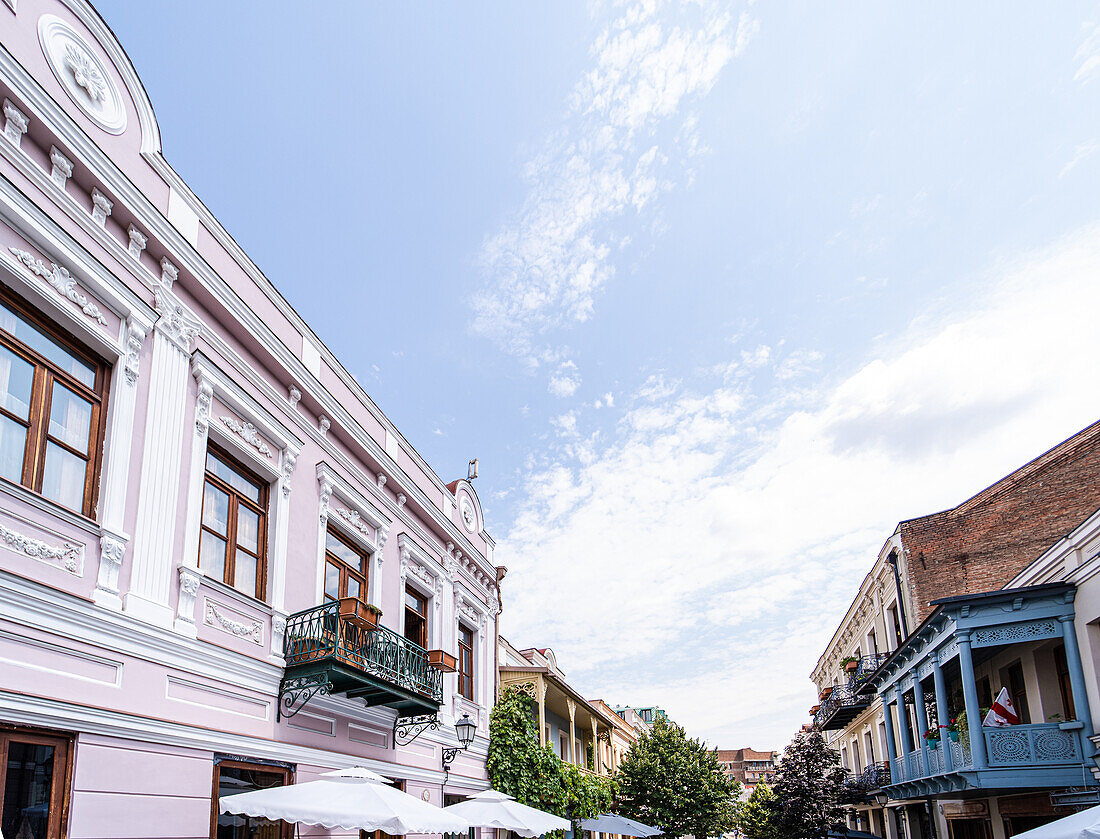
(756, 817)
(531, 773)
(675, 783)
(808, 785)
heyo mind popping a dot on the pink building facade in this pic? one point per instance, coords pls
(197, 501)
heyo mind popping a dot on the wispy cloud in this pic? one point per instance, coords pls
(1083, 152)
(628, 134)
(737, 526)
(1088, 54)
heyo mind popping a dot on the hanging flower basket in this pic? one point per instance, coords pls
(442, 661)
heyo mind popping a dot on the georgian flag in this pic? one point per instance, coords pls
(1003, 712)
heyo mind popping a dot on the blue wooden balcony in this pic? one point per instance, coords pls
(960, 634)
(327, 653)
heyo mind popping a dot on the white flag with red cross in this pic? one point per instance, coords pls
(1003, 712)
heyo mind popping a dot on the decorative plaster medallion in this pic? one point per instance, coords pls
(469, 517)
(83, 75)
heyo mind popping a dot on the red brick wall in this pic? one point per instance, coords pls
(986, 541)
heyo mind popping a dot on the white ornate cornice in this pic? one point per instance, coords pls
(101, 207)
(15, 123)
(176, 321)
(61, 281)
(247, 432)
(138, 241)
(61, 168)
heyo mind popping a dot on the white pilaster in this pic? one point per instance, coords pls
(115, 487)
(288, 460)
(185, 609)
(158, 502)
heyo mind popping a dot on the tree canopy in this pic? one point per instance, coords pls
(756, 817)
(808, 784)
(675, 783)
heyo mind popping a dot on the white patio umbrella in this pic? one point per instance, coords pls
(1083, 825)
(495, 809)
(621, 825)
(351, 799)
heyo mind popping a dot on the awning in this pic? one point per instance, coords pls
(611, 823)
(495, 809)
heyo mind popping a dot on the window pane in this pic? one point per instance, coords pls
(13, 441)
(414, 601)
(212, 555)
(232, 476)
(353, 587)
(332, 581)
(215, 508)
(339, 549)
(28, 780)
(63, 477)
(45, 346)
(244, 573)
(70, 418)
(16, 378)
(248, 528)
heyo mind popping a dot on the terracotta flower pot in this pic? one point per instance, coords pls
(355, 611)
(442, 661)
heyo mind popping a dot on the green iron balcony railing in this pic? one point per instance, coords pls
(341, 656)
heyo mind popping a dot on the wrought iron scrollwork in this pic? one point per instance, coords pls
(448, 758)
(295, 692)
(407, 729)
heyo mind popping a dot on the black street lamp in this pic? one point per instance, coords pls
(465, 728)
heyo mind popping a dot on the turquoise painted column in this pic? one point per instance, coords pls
(970, 699)
(1077, 683)
(922, 721)
(942, 714)
(891, 747)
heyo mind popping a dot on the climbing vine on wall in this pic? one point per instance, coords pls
(531, 773)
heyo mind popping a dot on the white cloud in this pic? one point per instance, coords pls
(708, 548)
(1081, 153)
(545, 268)
(565, 381)
(1088, 55)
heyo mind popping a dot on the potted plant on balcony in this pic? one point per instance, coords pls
(355, 611)
(814, 710)
(442, 661)
(952, 729)
(850, 664)
(932, 738)
(826, 693)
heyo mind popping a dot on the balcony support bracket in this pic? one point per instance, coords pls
(407, 729)
(296, 691)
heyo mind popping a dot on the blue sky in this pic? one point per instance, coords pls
(717, 293)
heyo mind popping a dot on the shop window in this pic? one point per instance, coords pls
(346, 568)
(233, 539)
(416, 617)
(232, 777)
(34, 770)
(466, 662)
(52, 400)
(448, 800)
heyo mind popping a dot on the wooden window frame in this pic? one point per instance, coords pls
(37, 422)
(61, 794)
(423, 642)
(345, 569)
(468, 693)
(235, 499)
(286, 832)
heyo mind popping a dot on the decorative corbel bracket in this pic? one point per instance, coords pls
(407, 729)
(295, 692)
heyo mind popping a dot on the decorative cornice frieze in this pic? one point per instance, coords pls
(176, 323)
(15, 123)
(250, 630)
(135, 337)
(169, 273)
(247, 432)
(61, 281)
(353, 518)
(61, 167)
(138, 241)
(101, 207)
(202, 405)
(66, 555)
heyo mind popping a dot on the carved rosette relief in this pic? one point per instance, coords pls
(82, 73)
